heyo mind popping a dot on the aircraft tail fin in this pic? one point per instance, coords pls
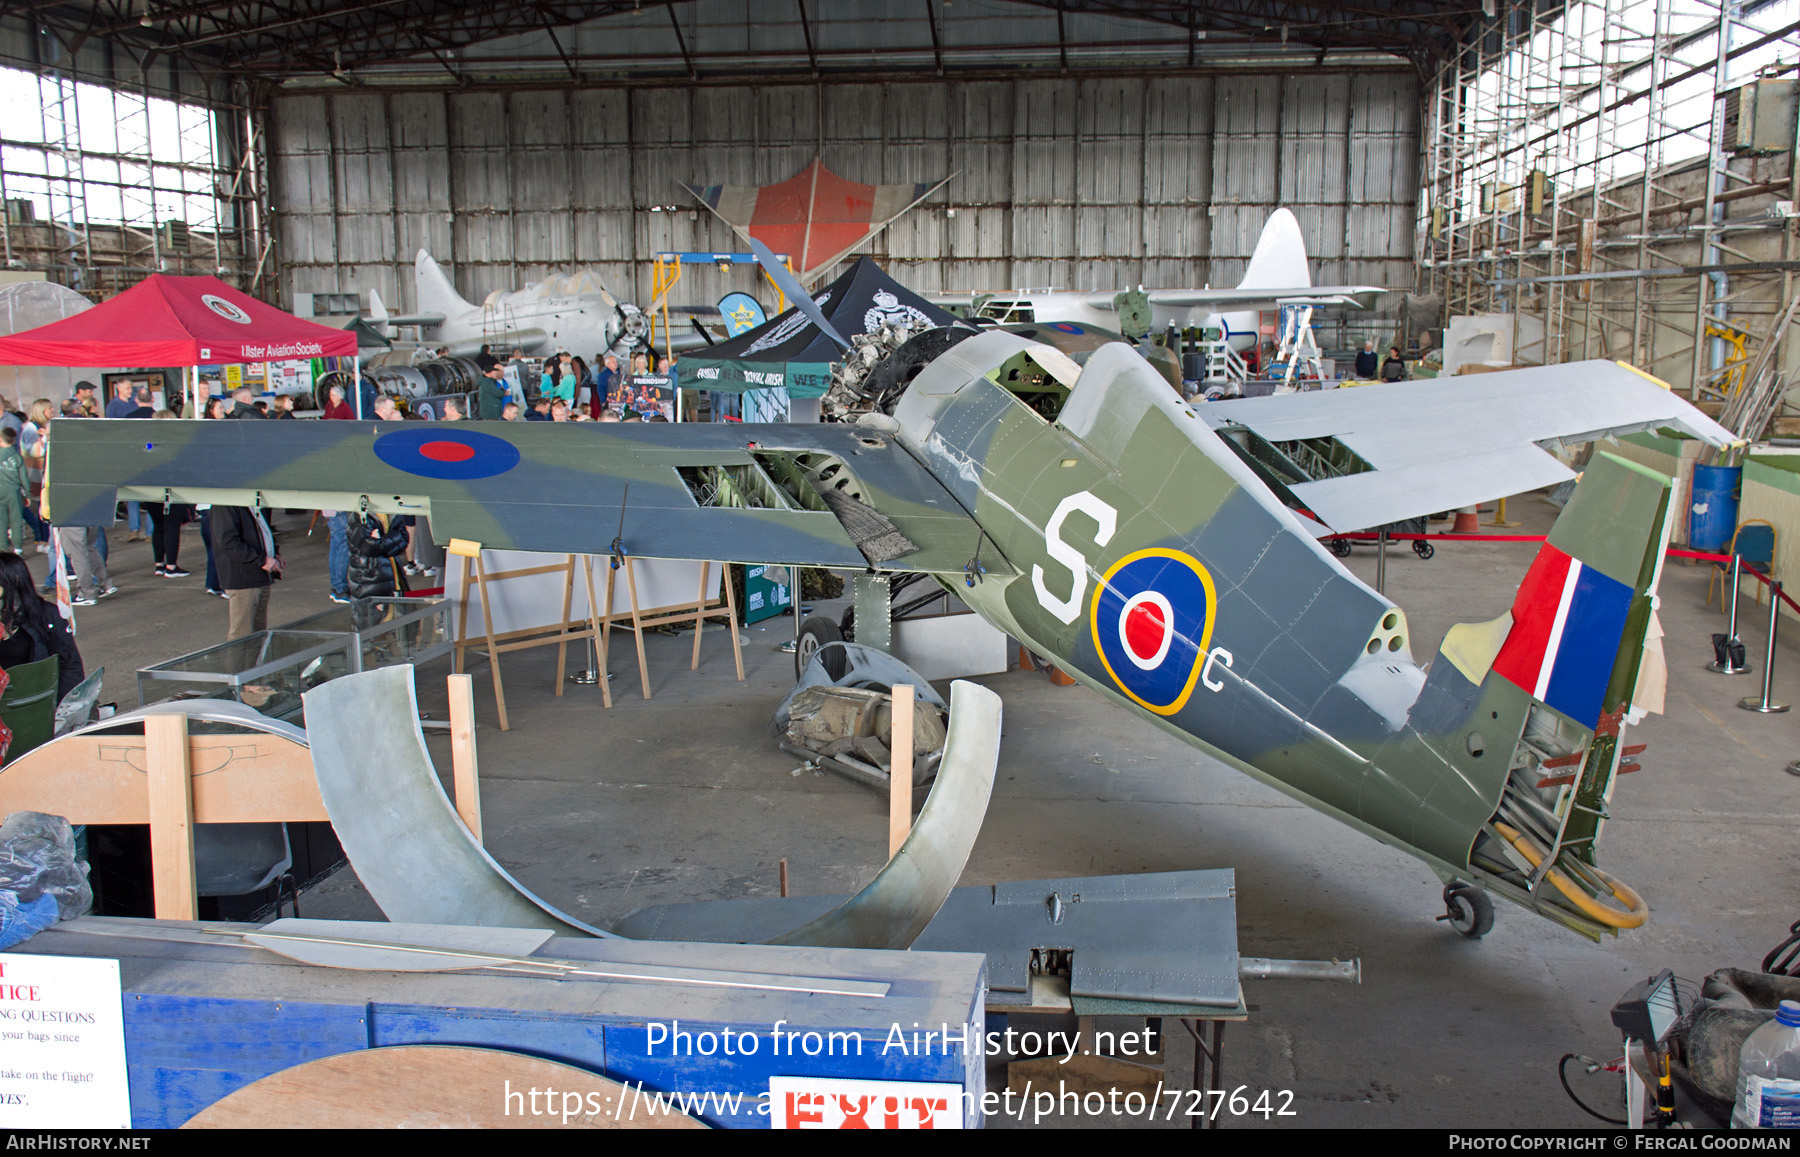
(1577, 657)
(436, 294)
(377, 308)
(1279, 261)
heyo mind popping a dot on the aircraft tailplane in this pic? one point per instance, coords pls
(436, 294)
(1578, 656)
(1279, 261)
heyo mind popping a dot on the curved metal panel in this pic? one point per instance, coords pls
(198, 711)
(904, 896)
(403, 837)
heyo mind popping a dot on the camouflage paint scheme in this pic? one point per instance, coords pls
(1263, 651)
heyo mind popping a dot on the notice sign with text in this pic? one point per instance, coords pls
(62, 1044)
(831, 1103)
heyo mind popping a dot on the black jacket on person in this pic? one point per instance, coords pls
(55, 638)
(1366, 365)
(238, 552)
(490, 399)
(372, 554)
(243, 410)
(1394, 370)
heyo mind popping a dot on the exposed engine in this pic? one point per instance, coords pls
(878, 367)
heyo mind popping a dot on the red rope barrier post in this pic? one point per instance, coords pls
(1765, 705)
(1729, 649)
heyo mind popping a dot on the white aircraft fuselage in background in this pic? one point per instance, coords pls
(572, 312)
(1277, 275)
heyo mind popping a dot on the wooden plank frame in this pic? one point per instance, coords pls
(169, 780)
(696, 612)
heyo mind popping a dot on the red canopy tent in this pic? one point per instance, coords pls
(176, 321)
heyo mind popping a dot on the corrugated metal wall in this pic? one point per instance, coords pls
(1077, 183)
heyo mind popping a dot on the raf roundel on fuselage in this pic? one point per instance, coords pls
(438, 450)
(1152, 622)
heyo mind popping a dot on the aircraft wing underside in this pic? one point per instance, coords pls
(812, 495)
(1366, 456)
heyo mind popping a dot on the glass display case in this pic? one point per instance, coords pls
(267, 670)
(388, 631)
(270, 669)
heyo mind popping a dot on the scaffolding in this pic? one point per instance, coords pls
(1584, 167)
(115, 182)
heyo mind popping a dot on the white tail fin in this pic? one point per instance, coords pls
(377, 309)
(1280, 258)
(436, 294)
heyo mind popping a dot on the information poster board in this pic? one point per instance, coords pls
(651, 394)
(766, 592)
(62, 1044)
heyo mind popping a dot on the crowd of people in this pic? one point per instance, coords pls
(243, 557)
(565, 389)
(369, 556)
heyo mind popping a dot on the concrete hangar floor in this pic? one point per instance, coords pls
(685, 797)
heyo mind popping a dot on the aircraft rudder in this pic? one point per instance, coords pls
(1279, 260)
(1575, 635)
(1576, 658)
(435, 291)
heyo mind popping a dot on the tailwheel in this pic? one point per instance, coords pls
(1468, 909)
(1423, 549)
(815, 633)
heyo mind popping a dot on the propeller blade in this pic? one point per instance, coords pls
(796, 293)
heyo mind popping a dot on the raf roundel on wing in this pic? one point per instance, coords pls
(1152, 621)
(438, 450)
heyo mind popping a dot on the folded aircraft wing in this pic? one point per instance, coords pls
(813, 495)
(1365, 456)
(1253, 297)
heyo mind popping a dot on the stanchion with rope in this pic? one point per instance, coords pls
(1730, 649)
(1766, 705)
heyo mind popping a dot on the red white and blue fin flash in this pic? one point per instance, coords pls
(442, 450)
(1568, 620)
(1152, 622)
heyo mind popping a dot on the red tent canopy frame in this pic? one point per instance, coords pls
(178, 321)
(175, 321)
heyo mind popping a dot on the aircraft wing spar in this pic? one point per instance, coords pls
(1364, 456)
(812, 495)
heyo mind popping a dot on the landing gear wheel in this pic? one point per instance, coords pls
(1340, 547)
(815, 633)
(1468, 910)
(1423, 549)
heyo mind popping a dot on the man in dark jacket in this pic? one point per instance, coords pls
(1367, 364)
(243, 404)
(248, 563)
(493, 395)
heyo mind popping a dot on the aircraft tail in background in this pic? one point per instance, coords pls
(436, 294)
(1279, 261)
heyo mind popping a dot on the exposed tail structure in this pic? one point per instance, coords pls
(436, 294)
(1279, 261)
(1549, 687)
